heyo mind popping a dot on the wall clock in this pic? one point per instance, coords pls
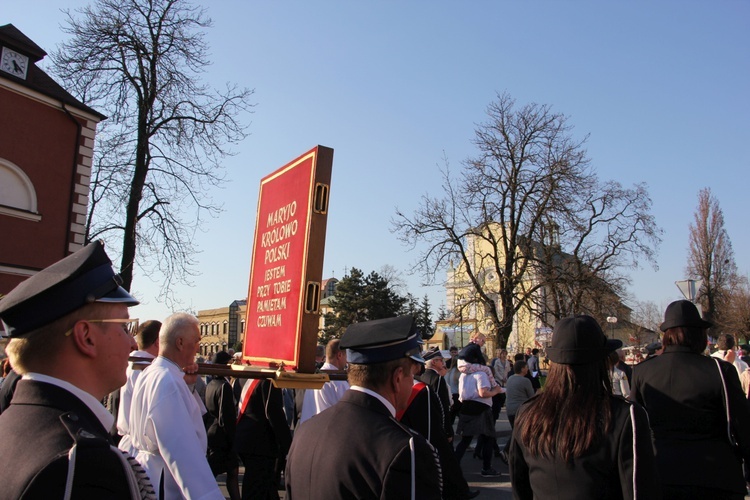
(14, 63)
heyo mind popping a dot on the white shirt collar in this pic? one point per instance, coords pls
(374, 394)
(168, 363)
(104, 416)
(142, 354)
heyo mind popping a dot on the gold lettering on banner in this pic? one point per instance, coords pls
(281, 225)
(275, 273)
(278, 253)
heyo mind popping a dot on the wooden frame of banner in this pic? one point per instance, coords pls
(283, 303)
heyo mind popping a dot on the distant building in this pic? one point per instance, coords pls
(328, 289)
(532, 325)
(223, 328)
(46, 150)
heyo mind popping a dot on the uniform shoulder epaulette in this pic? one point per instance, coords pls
(81, 437)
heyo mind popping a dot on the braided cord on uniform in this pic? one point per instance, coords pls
(138, 480)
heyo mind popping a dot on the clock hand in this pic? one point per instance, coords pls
(16, 67)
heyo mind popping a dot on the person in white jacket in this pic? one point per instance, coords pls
(319, 399)
(726, 350)
(166, 424)
(147, 339)
(620, 385)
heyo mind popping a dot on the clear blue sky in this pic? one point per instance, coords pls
(663, 89)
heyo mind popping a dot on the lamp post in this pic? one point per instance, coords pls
(461, 324)
(611, 320)
(459, 304)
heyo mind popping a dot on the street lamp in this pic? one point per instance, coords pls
(611, 320)
(458, 303)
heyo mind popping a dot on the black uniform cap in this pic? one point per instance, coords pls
(432, 353)
(81, 278)
(653, 347)
(382, 340)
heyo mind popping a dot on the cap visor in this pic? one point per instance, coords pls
(119, 296)
(418, 358)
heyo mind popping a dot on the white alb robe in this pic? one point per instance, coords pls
(317, 400)
(166, 429)
(126, 395)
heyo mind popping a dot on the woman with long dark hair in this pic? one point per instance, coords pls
(575, 440)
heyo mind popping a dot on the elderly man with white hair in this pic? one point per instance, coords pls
(166, 424)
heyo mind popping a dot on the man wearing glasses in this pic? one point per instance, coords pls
(70, 337)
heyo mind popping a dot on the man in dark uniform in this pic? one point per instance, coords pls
(433, 376)
(222, 427)
(696, 408)
(356, 448)
(70, 339)
(7, 389)
(425, 414)
(263, 438)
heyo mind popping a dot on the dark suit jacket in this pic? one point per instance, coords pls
(37, 432)
(424, 415)
(440, 387)
(262, 429)
(6, 391)
(683, 395)
(223, 420)
(357, 450)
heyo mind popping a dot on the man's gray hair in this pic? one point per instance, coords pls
(174, 326)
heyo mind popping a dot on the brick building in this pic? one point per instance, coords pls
(46, 148)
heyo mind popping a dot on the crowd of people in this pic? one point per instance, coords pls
(675, 426)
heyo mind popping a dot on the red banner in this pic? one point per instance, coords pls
(284, 293)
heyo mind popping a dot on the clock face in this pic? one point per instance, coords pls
(14, 63)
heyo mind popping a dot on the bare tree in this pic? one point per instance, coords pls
(604, 231)
(735, 311)
(646, 319)
(160, 152)
(529, 185)
(710, 258)
(394, 278)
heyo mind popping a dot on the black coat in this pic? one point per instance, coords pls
(37, 432)
(425, 416)
(357, 450)
(262, 429)
(682, 393)
(223, 415)
(440, 387)
(7, 389)
(607, 472)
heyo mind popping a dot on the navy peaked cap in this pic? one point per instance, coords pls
(382, 340)
(432, 353)
(81, 278)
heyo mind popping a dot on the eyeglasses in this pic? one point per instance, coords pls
(129, 325)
